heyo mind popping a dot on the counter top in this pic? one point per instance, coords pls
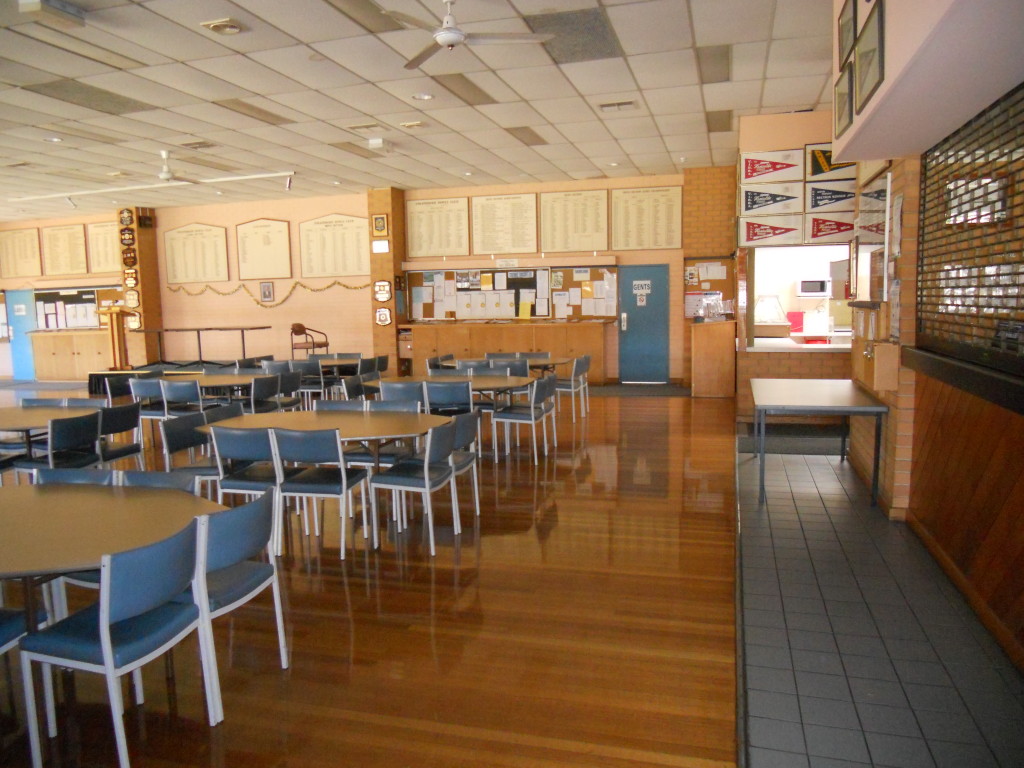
(793, 345)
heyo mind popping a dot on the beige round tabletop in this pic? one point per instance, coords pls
(481, 382)
(218, 379)
(64, 528)
(17, 418)
(535, 362)
(351, 425)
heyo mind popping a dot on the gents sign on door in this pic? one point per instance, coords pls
(641, 289)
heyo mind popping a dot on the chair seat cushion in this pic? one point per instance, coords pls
(78, 636)
(286, 402)
(261, 406)
(410, 475)
(255, 477)
(12, 625)
(112, 451)
(229, 585)
(519, 413)
(462, 460)
(322, 480)
(309, 345)
(85, 578)
(389, 455)
(61, 459)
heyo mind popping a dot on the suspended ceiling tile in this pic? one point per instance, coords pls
(671, 125)
(130, 83)
(45, 103)
(174, 121)
(744, 95)
(724, 156)
(315, 105)
(33, 53)
(665, 69)
(246, 73)
(256, 34)
(687, 143)
(675, 101)
(463, 119)
(632, 128)
(721, 22)
(558, 111)
(801, 18)
(493, 139)
(366, 56)
(646, 146)
(660, 25)
(367, 98)
(307, 66)
(749, 61)
(581, 35)
(192, 82)
(534, 7)
(795, 58)
(309, 20)
(723, 139)
(590, 131)
(151, 30)
(506, 115)
(799, 92)
(16, 74)
(602, 76)
(538, 82)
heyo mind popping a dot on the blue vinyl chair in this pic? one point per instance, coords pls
(147, 392)
(274, 366)
(227, 543)
(136, 620)
(465, 456)
(288, 397)
(263, 394)
(118, 420)
(71, 443)
(181, 435)
(175, 481)
(47, 476)
(184, 397)
(340, 405)
(403, 390)
(320, 456)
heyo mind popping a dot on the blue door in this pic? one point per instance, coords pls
(21, 315)
(643, 324)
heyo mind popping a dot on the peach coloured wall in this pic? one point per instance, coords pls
(343, 313)
(765, 133)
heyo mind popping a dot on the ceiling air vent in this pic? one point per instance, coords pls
(198, 145)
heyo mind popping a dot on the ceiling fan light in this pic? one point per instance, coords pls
(449, 37)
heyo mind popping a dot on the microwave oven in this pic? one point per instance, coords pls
(814, 289)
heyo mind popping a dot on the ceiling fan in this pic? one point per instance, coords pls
(167, 178)
(448, 35)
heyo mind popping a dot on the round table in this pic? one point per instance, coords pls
(480, 382)
(16, 418)
(351, 425)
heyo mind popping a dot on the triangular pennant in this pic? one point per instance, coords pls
(821, 162)
(753, 167)
(759, 231)
(878, 228)
(821, 197)
(753, 200)
(876, 194)
(828, 227)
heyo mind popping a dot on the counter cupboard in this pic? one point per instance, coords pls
(70, 355)
(476, 339)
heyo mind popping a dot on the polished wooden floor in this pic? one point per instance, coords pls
(587, 619)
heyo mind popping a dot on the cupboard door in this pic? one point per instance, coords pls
(514, 338)
(588, 339)
(424, 345)
(550, 338)
(91, 353)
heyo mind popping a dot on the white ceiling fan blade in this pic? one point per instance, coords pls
(410, 21)
(487, 38)
(422, 56)
(249, 177)
(104, 191)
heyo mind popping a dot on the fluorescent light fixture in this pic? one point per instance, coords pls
(57, 12)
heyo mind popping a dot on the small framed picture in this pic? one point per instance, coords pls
(842, 100)
(847, 30)
(868, 58)
(852, 290)
(266, 292)
(379, 222)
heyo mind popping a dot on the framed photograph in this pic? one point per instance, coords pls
(842, 100)
(851, 291)
(847, 30)
(878, 276)
(379, 222)
(868, 58)
(266, 292)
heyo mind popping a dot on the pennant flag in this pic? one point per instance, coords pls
(821, 197)
(828, 227)
(877, 228)
(759, 231)
(753, 167)
(753, 200)
(821, 162)
(876, 194)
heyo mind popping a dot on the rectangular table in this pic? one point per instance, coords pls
(816, 397)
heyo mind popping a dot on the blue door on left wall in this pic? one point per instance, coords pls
(21, 317)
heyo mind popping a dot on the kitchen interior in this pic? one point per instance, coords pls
(802, 297)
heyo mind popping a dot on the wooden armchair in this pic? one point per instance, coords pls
(308, 339)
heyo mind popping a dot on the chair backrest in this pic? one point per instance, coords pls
(315, 446)
(178, 481)
(181, 434)
(239, 533)
(145, 389)
(446, 372)
(44, 476)
(466, 428)
(382, 363)
(265, 387)
(136, 581)
(402, 406)
(586, 365)
(501, 355)
(308, 368)
(446, 357)
(235, 444)
(180, 392)
(535, 355)
(371, 376)
(433, 364)
(221, 412)
(74, 433)
(85, 402)
(339, 405)
(120, 418)
(447, 394)
(402, 390)
(274, 366)
(504, 369)
(366, 365)
(117, 386)
(246, 362)
(519, 367)
(440, 443)
(352, 386)
(471, 365)
(290, 382)
(546, 387)
(43, 402)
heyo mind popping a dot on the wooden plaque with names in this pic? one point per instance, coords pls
(335, 245)
(196, 253)
(104, 248)
(647, 218)
(574, 221)
(64, 250)
(264, 250)
(19, 253)
(505, 224)
(437, 227)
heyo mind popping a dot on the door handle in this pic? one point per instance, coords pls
(624, 321)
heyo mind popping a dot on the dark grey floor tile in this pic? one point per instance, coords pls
(757, 618)
(993, 703)
(767, 656)
(856, 608)
(846, 592)
(934, 698)
(775, 734)
(853, 625)
(946, 726)
(830, 712)
(921, 672)
(838, 743)
(861, 645)
(771, 758)
(866, 691)
(948, 755)
(768, 679)
(759, 602)
(766, 636)
(898, 751)
(912, 650)
(812, 641)
(816, 661)
(803, 604)
(822, 686)
(771, 705)
(898, 721)
(869, 666)
(800, 589)
(809, 622)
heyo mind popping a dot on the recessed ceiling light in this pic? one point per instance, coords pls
(217, 192)
(54, 139)
(682, 159)
(613, 165)
(423, 96)
(468, 173)
(223, 26)
(336, 183)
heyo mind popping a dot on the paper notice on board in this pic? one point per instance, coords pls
(417, 311)
(587, 307)
(599, 289)
(486, 281)
(524, 310)
(542, 308)
(494, 304)
(508, 304)
(528, 295)
(575, 296)
(560, 303)
(609, 305)
(542, 284)
(463, 305)
(438, 291)
(500, 281)
(581, 274)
